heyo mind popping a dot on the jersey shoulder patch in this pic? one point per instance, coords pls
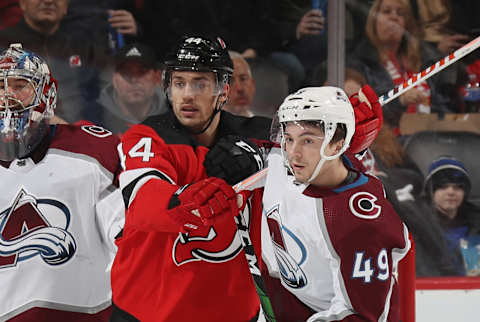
(366, 200)
(90, 140)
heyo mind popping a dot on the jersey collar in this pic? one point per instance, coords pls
(38, 154)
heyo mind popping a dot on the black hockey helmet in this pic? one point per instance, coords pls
(202, 54)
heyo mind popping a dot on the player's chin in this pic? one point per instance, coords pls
(300, 176)
(193, 123)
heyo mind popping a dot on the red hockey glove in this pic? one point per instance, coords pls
(368, 118)
(196, 205)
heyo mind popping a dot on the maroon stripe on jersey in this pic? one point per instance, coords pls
(38, 314)
(89, 140)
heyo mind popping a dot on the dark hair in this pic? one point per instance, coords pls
(340, 131)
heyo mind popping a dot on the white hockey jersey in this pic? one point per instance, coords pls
(336, 252)
(59, 215)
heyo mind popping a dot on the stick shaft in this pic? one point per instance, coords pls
(251, 183)
(430, 71)
(446, 61)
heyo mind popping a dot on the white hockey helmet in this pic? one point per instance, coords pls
(22, 125)
(329, 105)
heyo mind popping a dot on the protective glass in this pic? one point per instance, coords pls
(195, 87)
(305, 139)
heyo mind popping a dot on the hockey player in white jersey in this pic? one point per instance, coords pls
(59, 207)
(330, 239)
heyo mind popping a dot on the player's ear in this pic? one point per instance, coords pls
(338, 146)
(223, 96)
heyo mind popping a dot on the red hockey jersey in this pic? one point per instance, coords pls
(161, 273)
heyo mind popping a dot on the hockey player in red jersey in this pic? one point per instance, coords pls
(179, 256)
(331, 242)
(59, 208)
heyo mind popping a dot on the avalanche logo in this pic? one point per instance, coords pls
(211, 247)
(290, 271)
(362, 204)
(35, 227)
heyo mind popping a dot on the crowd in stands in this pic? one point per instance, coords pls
(107, 57)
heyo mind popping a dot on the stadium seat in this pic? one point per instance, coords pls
(426, 146)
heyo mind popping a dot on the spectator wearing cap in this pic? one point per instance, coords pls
(444, 220)
(73, 56)
(134, 92)
(444, 224)
(448, 186)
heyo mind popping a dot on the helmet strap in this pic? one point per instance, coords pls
(323, 157)
(218, 107)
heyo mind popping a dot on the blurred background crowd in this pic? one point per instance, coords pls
(107, 57)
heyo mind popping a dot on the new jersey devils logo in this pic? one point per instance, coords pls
(210, 247)
(362, 204)
(32, 227)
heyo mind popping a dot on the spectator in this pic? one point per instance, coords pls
(242, 24)
(392, 53)
(107, 21)
(246, 26)
(303, 40)
(448, 24)
(134, 91)
(444, 224)
(72, 56)
(60, 207)
(243, 87)
(447, 187)
(167, 166)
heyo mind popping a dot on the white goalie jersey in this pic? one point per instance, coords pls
(58, 219)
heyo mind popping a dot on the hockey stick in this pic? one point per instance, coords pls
(390, 95)
(250, 183)
(430, 71)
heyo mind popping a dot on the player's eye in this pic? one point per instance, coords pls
(200, 85)
(18, 87)
(179, 84)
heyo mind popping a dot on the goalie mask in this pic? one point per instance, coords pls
(327, 107)
(27, 101)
